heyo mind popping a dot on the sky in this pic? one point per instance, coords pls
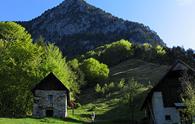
(173, 20)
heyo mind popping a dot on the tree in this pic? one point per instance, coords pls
(147, 46)
(18, 72)
(94, 71)
(132, 89)
(77, 74)
(53, 61)
(147, 52)
(11, 31)
(160, 50)
(23, 65)
(117, 52)
(188, 95)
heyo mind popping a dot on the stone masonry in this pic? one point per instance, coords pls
(50, 102)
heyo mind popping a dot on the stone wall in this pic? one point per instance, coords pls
(42, 103)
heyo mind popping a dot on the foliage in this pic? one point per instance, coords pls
(190, 101)
(108, 88)
(24, 64)
(77, 73)
(53, 61)
(94, 70)
(112, 54)
(121, 84)
(188, 95)
(98, 89)
(147, 46)
(160, 50)
(119, 51)
(132, 89)
(11, 31)
(19, 63)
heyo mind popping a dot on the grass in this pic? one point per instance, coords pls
(31, 121)
(143, 72)
(109, 109)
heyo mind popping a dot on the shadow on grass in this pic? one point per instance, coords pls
(68, 119)
(118, 115)
(74, 121)
(53, 120)
(85, 115)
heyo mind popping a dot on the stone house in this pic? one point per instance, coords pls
(51, 98)
(163, 104)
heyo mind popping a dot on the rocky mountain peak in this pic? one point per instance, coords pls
(70, 2)
(76, 27)
(73, 4)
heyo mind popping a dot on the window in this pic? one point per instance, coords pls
(50, 99)
(167, 117)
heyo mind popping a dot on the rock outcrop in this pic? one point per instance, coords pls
(76, 27)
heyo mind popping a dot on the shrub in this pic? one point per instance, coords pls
(111, 86)
(121, 84)
(94, 71)
(98, 89)
(106, 88)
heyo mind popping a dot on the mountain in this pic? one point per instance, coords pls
(77, 27)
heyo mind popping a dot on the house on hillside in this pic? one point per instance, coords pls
(163, 104)
(50, 98)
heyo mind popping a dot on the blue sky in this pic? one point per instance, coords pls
(173, 20)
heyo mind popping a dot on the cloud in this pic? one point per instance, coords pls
(185, 2)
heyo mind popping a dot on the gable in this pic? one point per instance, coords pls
(170, 85)
(50, 82)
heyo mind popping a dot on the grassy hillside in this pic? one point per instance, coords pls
(111, 108)
(142, 71)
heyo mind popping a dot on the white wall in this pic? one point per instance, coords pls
(160, 111)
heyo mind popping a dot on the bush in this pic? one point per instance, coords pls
(111, 86)
(98, 89)
(105, 89)
(94, 71)
(160, 50)
(121, 84)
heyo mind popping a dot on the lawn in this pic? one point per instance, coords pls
(33, 121)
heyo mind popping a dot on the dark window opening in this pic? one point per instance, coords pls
(49, 113)
(167, 117)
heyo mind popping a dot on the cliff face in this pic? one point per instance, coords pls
(76, 27)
